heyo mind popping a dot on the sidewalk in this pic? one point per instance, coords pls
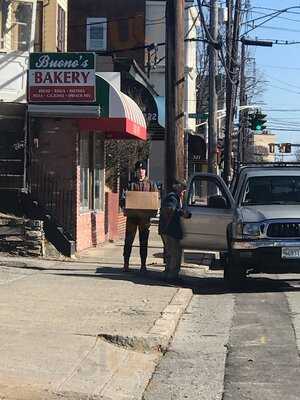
(83, 329)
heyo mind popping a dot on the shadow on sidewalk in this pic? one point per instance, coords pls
(200, 285)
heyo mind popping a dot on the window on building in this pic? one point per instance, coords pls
(38, 39)
(96, 34)
(61, 29)
(91, 171)
(2, 24)
(21, 26)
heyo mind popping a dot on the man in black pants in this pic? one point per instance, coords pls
(140, 183)
(170, 229)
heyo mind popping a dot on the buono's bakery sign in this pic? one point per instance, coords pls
(61, 77)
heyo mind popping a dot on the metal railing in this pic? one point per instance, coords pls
(54, 196)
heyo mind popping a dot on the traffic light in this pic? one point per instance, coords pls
(282, 148)
(288, 148)
(257, 121)
(272, 147)
(251, 121)
(285, 148)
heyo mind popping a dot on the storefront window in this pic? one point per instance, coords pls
(99, 173)
(84, 171)
(91, 171)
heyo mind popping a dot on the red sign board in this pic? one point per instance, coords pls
(61, 77)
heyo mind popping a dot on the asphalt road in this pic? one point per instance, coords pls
(235, 346)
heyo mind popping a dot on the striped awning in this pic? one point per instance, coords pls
(119, 116)
(114, 113)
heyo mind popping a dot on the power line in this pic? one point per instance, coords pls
(283, 82)
(271, 16)
(277, 28)
(276, 9)
(284, 89)
(281, 67)
(157, 21)
(283, 129)
(279, 17)
(282, 109)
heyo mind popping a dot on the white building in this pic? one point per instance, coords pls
(258, 149)
(155, 33)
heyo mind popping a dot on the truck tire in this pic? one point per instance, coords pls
(234, 273)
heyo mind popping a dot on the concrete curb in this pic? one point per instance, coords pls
(154, 343)
(161, 333)
(165, 326)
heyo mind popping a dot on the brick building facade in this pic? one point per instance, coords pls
(67, 162)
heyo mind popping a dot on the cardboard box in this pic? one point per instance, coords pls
(141, 203)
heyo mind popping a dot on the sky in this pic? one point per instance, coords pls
(280, 66)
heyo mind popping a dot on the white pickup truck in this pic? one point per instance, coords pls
(257, 222)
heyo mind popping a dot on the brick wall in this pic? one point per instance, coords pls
(115, 221)
(127, 32)
(55, 154)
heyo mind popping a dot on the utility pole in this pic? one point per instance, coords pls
(174, 147)
(213, 103)
(243, 113)
(231, 84)
(243, 96)
(228, 121)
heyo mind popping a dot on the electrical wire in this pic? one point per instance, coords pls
(279, 17)
(193, 25)
(276, 9)
(283, 82)
(277, 28)
(272, 16)
(159, 21)
(280, 67)
(284, 89)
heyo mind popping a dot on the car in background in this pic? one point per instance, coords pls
(257, 222)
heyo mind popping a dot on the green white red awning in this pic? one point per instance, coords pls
(113, 114)
(119, 116)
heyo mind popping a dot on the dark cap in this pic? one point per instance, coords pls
(179, 185)
(140, 165)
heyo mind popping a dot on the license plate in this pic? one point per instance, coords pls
(290, 252)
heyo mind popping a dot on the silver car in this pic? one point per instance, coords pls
(257, 223)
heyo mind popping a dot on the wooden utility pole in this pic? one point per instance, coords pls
(174, 146)
(231, 83)
(213, 103)
(243, 102)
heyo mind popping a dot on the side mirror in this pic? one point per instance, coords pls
(217, 202)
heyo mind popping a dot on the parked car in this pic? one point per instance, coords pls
(257, 223)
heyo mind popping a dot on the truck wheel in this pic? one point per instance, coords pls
(234, 273)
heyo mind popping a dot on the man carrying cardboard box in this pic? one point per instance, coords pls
(141, 202)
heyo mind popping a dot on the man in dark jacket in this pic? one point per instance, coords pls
(170, 229)
(140, 183)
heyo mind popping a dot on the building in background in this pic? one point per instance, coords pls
(155, 33)
(133, 32)
(108, 26)
(258, 148)
(73, 110)
(25, 26)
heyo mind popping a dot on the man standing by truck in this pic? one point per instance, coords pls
(140, 221)
(170, 229)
